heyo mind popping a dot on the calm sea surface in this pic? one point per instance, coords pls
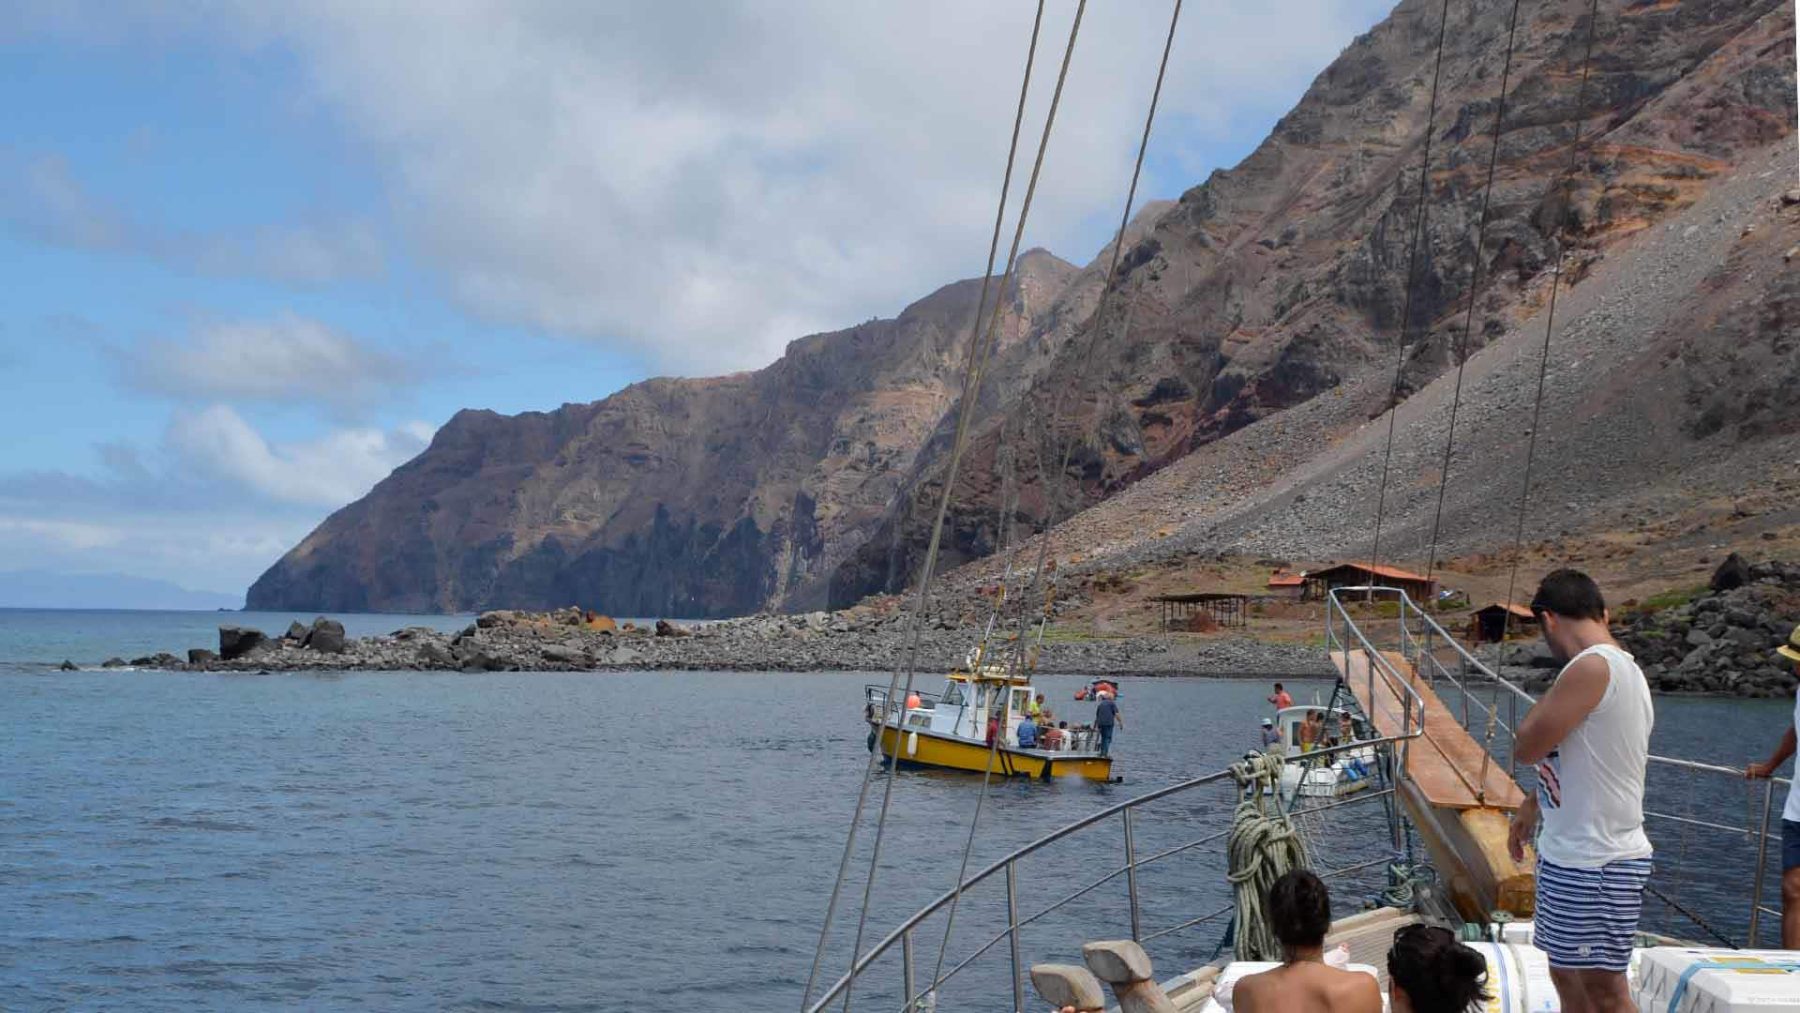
(584, 841)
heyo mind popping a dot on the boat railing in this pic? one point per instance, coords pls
(1128, 820)
(877, 697)
(1441, 658)
(1343, 635)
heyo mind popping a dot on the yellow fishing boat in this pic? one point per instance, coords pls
(949, 730)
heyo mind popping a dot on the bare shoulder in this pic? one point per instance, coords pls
(1356, 992)
(1584, 679)
(1247, 996)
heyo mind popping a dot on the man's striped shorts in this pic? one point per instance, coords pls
(1587, 918)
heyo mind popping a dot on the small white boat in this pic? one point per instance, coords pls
(1341, 773)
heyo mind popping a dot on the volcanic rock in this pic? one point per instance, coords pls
(238, 641)
(326, 636)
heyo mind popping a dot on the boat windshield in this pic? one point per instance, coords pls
(953, 694)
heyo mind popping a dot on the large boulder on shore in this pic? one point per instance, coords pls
(237, 641)
(295, 632)
(201, 656)
(1732, 573)
(434, 655)
(326, 636)
(561, 655)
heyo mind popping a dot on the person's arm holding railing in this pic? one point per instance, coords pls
(1768, 767)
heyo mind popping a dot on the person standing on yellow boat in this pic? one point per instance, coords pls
(1106, 715)
(1036, 707)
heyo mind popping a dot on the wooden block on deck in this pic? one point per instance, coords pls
(1515, 883)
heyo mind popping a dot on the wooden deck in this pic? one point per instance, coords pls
(1446, 762)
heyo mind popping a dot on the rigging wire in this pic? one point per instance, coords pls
(1462, 348)
(1412, 267)
(1537, 405)
(974, 332)
(971, 389)
(1112, 268)
(1017, 661)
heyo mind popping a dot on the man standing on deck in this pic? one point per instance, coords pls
(1106, 715)
(1590, 739)
(1790, 814)
(1281, 699)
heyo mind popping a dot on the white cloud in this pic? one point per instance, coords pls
(64, 534)
(289, 358)
(41, 197)
(704, 180)
(329, 471)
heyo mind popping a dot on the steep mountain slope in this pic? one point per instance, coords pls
(672, 497)
(1266, 303)
(1285, 277)
(1664, 437)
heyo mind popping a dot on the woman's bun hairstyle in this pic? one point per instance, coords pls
(1438, 974)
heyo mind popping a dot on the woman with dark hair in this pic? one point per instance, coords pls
(1300, 914)
(1431, 972)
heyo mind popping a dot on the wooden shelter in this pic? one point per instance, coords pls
(1223, 608)
(1500, 621)
(1283, 584)
(1419, 588)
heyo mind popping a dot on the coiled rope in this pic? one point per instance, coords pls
(1263, 846)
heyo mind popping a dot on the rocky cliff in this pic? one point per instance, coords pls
(1272, 291)
(672, 497)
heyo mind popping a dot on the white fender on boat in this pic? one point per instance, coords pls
(912, 743)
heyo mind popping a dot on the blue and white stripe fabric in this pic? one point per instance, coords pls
(1587, 918)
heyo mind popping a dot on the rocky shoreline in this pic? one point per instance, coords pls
(570, 640)
(1717, 640)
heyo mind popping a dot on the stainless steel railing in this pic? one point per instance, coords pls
(1352, 640)
(1125, 816)
(1440, 657)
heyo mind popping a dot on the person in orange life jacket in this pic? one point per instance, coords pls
(1589, 738)
(1790, 813)
(1281, 699)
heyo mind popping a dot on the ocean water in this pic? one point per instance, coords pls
(578, 841)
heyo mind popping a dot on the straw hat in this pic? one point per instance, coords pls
(1791, 649)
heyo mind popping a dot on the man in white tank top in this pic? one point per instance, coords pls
(1590, 740)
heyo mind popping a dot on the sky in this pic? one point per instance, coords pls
(258, 253)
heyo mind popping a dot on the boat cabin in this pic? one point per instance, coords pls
(960, 710)
(1289, 719)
